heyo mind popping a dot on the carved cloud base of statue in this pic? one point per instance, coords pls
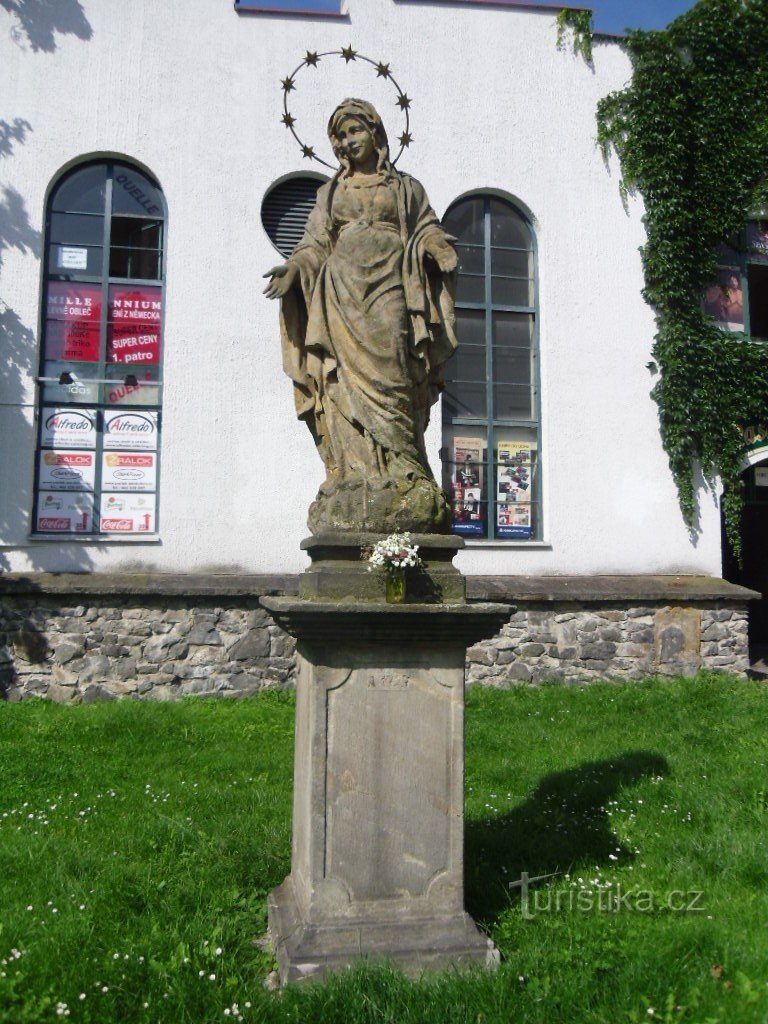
(380, 506)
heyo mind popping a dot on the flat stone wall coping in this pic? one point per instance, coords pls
(588, 589)
(141, 585)
(507, 589)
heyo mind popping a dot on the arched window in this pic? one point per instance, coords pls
(491, 401)
(286, 207)
(100, 374)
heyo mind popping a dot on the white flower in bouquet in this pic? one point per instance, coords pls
(394, 552)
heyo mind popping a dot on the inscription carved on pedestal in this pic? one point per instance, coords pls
(387, 681)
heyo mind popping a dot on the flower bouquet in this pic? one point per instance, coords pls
(394, 555)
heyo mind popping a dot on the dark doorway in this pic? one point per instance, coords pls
(758, 300)
(753, 572)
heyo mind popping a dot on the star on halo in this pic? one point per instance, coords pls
(288, 120)
(348, 53)
(308, 152)
(288, 84)
(403, 101)
(382, 70)
(311, 59)
(406, 139)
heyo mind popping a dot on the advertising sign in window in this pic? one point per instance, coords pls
(129, 471)
(67, 471)
(725, 300)
(127, 513)
(134, 325)
(73, 319)
(62, 512)
(468, 517)
(68, 428)
(513, 490)
(130, 430)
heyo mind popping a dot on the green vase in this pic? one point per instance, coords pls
(396, 587)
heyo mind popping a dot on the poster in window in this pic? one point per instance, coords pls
(468, 516)
(513, 490)
(67, 471)
(62, 512)
(127, 513)
(134, 325)
(129, 471)
(73, 322)
(130, 430)
(757, 239)
(725, 299)
(67, 428)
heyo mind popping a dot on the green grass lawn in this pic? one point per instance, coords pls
(138, 842)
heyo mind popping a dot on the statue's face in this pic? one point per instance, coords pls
(355, 140)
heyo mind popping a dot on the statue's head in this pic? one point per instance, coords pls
(363, 113)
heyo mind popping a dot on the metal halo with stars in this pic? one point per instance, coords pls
(347, 54)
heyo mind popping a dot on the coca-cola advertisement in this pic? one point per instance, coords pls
(127, 513)
(130, 430)
(134, 325)
(73, 322)
(67, 428)
(59, 512)
(67, 471)
(129, 471)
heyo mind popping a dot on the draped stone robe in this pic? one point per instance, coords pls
(366, 332)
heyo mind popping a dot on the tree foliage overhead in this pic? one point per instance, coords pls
(691, 131)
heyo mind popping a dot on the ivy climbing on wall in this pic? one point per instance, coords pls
(579, 24)
(691, 132)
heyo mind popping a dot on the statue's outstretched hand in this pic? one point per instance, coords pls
(443, 253)
(282, 279)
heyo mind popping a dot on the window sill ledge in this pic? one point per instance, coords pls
(95, 538)
(541, 545)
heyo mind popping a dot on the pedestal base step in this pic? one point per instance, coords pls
(310, 951)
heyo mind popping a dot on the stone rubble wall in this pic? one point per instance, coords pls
(567, 642)
(158, 649)
(163, 648)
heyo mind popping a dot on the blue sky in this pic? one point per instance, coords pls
(609, 15)
(617, 15)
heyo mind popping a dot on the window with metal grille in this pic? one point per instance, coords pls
(100, 381)
(491, 441)
(286, 207)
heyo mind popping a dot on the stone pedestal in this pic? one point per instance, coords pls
(377, 861)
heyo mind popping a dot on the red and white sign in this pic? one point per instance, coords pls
(134, 431)
(73, 322)
(67, 471)
(139, 393)
(129, 471)
(68, 428)
(134, 325)
(127, 513)
(58, 512)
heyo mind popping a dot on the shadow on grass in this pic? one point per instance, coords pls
(564, 824)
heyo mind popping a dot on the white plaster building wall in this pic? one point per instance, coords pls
(191, 89)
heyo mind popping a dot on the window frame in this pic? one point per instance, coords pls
(111, 165)
(493, 425)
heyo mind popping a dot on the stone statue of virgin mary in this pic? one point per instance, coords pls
(367, 325)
